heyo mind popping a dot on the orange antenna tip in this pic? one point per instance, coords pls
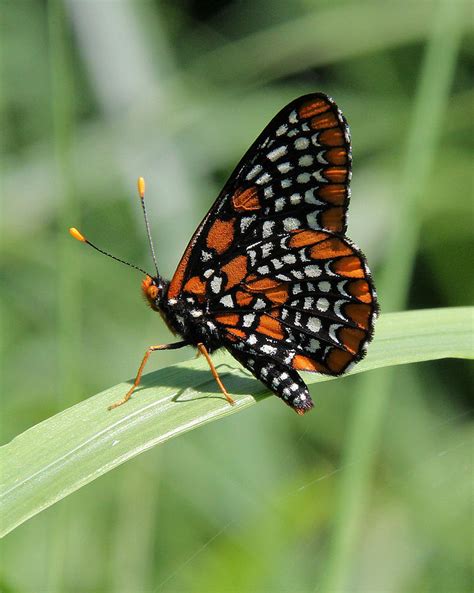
(77, 235)
(141, 187)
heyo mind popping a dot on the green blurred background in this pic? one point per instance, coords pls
(95, 93)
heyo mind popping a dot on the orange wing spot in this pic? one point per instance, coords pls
(278, 295)
(332, 219)
(221, 235)
(324, 121)
(330, 248)
(176, 282)
(351, 338)
(349, 267)
(337, 156)
(335, 174)
(303, 363)
(337, 360)
(263, 284)
(235, 270)
(360, 314)
(270, 327)
(360, 290)
(236, 332)
(303, 238)
(228, 319)
(243, 298)
(247, 199)
(334, 194)
(311, 108)
(332, 137)
(195, 285)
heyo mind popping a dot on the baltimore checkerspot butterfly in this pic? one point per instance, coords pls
(269, 273)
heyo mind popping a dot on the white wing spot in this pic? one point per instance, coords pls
(306, 160)
(322, 304)
(259, 304)
(332, 332)
(277, 264)
(301, 143)
(303, 178)
(309, 197)
(248, 319)
(312, 271)
(289, 258)
(246, 222)
(253, 172)
(227, 301)
(279, 204)
(277, 153)
(295, 199)
(285, 167)
(314, 324)
(324, 286)
(265, 178)
(216, 284)
(321, 160)
(312, 219)
(268, 192)
(286, 183)
(291, 224)
(282, 130)
(268, 349)
(268, 228)
(317, 175)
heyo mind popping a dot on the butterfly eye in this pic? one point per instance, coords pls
(152, 292)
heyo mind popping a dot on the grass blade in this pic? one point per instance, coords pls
(65, 452)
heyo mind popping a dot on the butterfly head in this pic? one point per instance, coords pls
(152, 289)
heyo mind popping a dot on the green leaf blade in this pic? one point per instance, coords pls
(65, 452)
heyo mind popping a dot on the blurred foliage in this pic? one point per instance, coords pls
(93, 95)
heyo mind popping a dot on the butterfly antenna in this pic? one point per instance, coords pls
(141, 193)
(80, 237)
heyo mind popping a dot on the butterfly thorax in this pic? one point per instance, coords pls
(189, 318)
(185, 316)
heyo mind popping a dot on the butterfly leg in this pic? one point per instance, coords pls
(203, 350)
(151, 349)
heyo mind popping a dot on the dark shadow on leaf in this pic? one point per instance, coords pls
(202, 381)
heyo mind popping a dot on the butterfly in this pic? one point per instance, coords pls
(269, 273)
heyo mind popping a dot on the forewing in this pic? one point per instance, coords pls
(295, 176)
